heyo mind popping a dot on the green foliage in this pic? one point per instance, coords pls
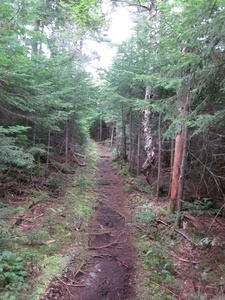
(41, 196)
(11, 269)
(143, 185)
(200, 207)
(5, 239)
(145, 214)
(56, 185)
(10, 153)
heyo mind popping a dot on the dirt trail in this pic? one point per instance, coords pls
(109, 273)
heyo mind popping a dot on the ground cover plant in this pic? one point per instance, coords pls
(39, 238)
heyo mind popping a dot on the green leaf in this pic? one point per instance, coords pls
(7, 254)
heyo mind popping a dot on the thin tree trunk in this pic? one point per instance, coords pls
(66, 143)
(139, 145)
(124, 143)
(100, 127)
(34, 136)
(180, 156)
(112, 136)
(181, 179)
(171, 166)
(149, 149)
(48, 154)
(176, 167)
(159, 158)
(130, 140)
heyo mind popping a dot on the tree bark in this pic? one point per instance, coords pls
(149, 149)
(124, 142)
(130, 141)
(180, 154)
(66, 143)
(139, 145)
(112, 136)
(181, 179)
(48, 154)
(100, 127)
(176, 167)
(159, 158)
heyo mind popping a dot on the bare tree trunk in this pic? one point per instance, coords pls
(139, 145)
(100, 127)
(34, 136)
(177, 184)
(124, 142)
(130, 140)
(48, 154)
(176, 167)
(159, 158)
(112, 135)
(171, 166)
(66, 143)
(181, 179)
(149, 149)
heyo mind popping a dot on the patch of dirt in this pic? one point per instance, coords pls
(109, 273)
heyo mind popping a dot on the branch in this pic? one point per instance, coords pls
(15, 114)
(107, 245)
(178, 231)
(215, 177)
(135, 5)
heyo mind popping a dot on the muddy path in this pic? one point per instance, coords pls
(109, 273)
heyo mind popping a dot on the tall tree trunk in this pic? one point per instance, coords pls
(112, 136)
(35, 44)
(100, 127)
(149, 149)
(180, 154)
(159, 158)
(66, 143)
(181, 179)
(124, 142)
(139, 145)
(171, 166)
(34, 136)
(176, 167)
(48, 154)
(130, 140)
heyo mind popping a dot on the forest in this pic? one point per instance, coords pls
(158, 108)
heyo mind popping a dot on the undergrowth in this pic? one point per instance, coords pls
(156, 280)
(39, 247)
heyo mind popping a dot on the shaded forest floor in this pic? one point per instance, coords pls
(104, 238)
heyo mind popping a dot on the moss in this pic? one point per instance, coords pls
(50, 268)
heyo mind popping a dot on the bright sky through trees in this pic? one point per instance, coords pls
(120, 29)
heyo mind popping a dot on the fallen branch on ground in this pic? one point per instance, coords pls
(166, 289)
(108, 245)
(178, 231)
(68, 284)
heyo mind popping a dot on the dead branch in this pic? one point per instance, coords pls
(178, 231)
(68, 284)
(185, 260)
(108, 245)
(166, 289)
(216, 216)
(75, 157)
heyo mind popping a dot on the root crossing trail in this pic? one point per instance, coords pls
(109, 273)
